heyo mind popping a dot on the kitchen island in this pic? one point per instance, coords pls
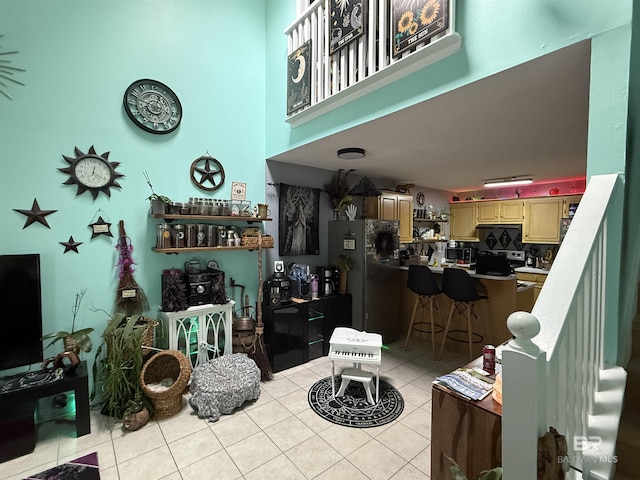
(505, 296)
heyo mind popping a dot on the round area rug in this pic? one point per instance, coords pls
(352, 410)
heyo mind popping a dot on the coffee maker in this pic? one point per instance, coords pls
(326, 282)
(300, 280)
(277, 289)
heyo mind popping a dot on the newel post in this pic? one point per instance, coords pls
(523, 398)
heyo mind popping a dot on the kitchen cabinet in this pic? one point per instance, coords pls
(539, 278)
(464, 218)
(393, 206)
(198, 219)
(298, 332)
(542, 220)
(569, 205)
(500, 211)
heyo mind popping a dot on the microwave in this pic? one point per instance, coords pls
(465, 255)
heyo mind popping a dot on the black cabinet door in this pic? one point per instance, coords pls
(285, 335)
(299, 332)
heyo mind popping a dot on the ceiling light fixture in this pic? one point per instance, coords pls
(351, 153)
(507, 182)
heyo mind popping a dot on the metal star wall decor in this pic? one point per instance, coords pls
(209, 170)
(35, 214)
(100, 227)
(71, 244)
(7, 72)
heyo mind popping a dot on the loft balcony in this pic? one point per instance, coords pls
(351, 51)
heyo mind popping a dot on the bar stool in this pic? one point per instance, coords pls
(422, 282)
(459, 287)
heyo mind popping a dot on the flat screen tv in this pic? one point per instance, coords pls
(20, 310)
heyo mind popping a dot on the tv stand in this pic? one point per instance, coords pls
(12, 407)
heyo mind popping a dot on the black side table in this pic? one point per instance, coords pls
(18, 406)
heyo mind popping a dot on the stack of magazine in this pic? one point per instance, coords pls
(467, 382)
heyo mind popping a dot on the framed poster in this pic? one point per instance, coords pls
(299, 78)
(415, 21)
(348, 22)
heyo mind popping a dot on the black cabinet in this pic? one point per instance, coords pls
(298, 332)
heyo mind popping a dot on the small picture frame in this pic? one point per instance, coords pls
(240, 208)
(238, 191)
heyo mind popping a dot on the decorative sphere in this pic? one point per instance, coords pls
(523, 325)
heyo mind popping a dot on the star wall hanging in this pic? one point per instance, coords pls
(100, 227)
(35, 214)
(210, 171)
(70, 245)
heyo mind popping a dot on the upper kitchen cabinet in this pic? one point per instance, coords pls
(542, 220)
(464, 218)
(393, 206)
(570, 205)
(507, 211)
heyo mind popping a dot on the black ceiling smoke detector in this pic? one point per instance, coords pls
(351, 153)
(365, 188)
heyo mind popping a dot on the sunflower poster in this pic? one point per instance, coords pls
(415, 21)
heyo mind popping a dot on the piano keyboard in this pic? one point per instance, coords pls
(350, 345)
(366, 356)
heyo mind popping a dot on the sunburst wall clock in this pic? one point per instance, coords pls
(92, 172)
(7, 71)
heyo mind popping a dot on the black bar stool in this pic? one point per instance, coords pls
(459, 287)
(422, 281)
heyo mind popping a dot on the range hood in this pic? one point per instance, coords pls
(499, 225)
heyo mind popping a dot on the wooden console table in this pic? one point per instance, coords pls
(468, 431)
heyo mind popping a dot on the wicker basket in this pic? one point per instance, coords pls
(166, 364)
(148, 334)
(252, 241)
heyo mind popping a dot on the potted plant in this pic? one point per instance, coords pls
(338, 191)
(344, 263)
(158, 202)
(458, 474)
(74, 340)
(118, 371)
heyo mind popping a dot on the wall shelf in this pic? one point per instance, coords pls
(430, 220)
(236, 218)
(203, 249)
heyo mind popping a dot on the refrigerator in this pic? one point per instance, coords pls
(374, 280)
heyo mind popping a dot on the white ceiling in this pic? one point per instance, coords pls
(528, 120)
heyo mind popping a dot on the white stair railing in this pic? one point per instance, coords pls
(554, 371)
(364, 64)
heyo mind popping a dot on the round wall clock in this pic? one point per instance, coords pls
(152, 106)
(207, 173)
(92, 172)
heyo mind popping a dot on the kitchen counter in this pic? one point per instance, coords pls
(531, 270)
(505, 296)
(472, 273)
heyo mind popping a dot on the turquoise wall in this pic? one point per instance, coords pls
(79, 56)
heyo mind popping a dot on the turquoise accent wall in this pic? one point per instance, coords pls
(79, 58)
(226, 61)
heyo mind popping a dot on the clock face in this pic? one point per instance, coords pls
(152, 106)
(92, 172)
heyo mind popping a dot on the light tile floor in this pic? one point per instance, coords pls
(276, 437)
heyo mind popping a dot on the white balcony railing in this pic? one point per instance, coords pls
(366, 63)
(558, 377)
